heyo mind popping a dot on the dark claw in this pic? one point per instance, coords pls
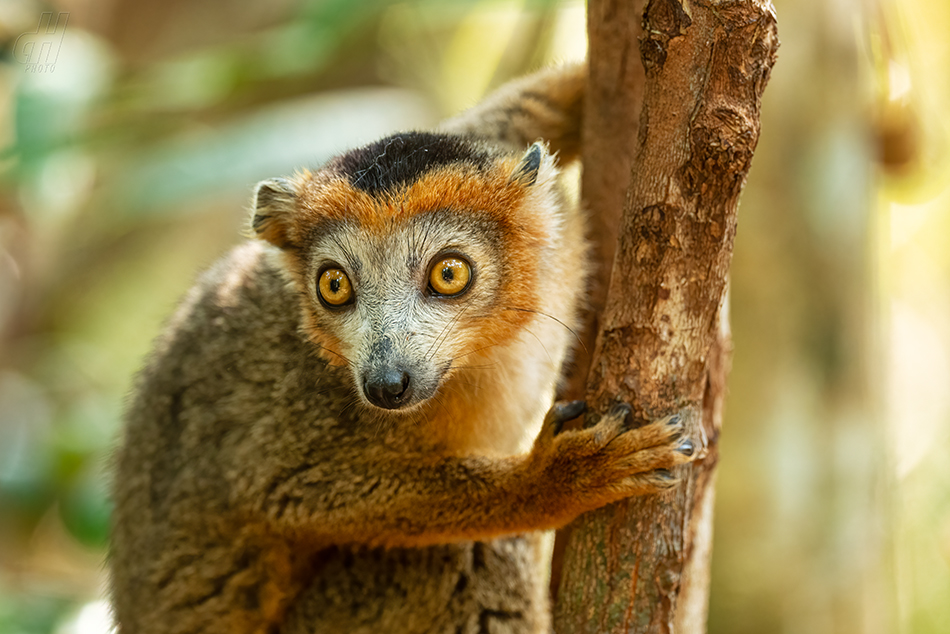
(564, 412)
(686, 448)
(674, 420)
(621, 409)
(665, 474)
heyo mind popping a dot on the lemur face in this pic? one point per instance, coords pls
(412, 255)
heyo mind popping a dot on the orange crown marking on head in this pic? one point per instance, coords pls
(329, 197)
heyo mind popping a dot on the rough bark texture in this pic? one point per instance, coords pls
(643, 565)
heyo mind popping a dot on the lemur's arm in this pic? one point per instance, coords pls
(411, 501)
(546, 105)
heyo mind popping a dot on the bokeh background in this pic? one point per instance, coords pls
(126, 166)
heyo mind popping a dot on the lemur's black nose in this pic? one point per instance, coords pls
(390, 389)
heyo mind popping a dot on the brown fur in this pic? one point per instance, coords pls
(256, 492)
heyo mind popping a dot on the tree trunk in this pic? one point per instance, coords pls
(643, 565)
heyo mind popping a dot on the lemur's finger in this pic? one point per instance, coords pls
(650, 482)
(562, 412)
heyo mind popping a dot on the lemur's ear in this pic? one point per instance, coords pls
(527, 170)
(274, 201)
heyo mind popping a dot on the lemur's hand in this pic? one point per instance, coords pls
(610, 460)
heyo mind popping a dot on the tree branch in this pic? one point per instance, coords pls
(642, 565)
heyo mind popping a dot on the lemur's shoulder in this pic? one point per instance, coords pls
(243, 289)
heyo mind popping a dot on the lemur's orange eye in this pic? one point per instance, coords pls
(450, 276)
(334, 287)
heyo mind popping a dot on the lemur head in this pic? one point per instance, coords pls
(413, 254)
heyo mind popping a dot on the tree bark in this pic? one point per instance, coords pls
(643, 565)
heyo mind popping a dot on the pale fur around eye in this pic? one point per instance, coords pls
(450, 276)
(334, 287)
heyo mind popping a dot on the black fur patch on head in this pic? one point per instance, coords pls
(403, 158)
